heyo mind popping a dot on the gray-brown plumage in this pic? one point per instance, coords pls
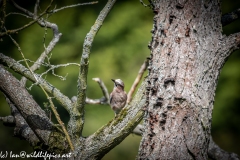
(118, 97)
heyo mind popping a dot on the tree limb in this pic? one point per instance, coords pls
(48, 49)
(32, 113)
(216, 153)
(74, 5)
(19, 68)
(119, 128)
(28, 108)
(48, 97)
(56, 33)
(137, 80)
(230, 17)
(82, 77)
(42, 23)
(226, 47)
(21, 128)
(105, 99)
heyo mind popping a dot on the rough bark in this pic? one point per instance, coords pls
(28, 108)
(187, 52)
(21, 128)
(32, 113)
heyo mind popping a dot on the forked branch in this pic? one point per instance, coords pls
(104, 99)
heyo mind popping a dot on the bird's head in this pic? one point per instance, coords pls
(118, 83)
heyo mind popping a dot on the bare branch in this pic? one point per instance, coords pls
(141, 1)
(82, 78)
(35, 19)
(230, 17)
(49, 99)
(43, 23)
(102, 100)
(33, 114)
(16, 13)
(21, 98)
(103, 87)
(21, 128)
(225, 48)
(19, 68)
(137, 80)
(16, 30)
(119, 128)
(216, 153)
(54, 41)
(74, 5)
(36, 7)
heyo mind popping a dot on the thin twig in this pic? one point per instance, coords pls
(143, 3)
(16, 13)
(104, 99)
(7, 32)
(71, 6)
(53, 67)
(19, 68)
(103, 88)
(137, 80)
(36, 18)
(48, 49)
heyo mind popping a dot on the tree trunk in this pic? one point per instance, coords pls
(188, 51)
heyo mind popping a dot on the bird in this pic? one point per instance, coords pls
(118, 96)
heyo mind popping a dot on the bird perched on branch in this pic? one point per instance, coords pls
(118, 97)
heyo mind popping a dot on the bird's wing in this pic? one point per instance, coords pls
(110, 100)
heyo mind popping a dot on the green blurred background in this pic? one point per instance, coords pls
(118, 51)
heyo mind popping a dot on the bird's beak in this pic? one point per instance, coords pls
(113, 80)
